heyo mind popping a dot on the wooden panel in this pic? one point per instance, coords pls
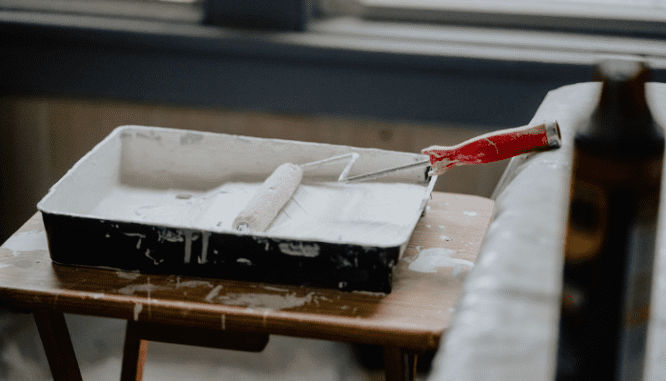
(202, 337)
(25, 175)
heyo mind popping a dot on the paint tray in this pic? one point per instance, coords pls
(158, 200)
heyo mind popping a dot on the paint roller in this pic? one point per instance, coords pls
(276, 191)
(487, 148)
(278, 188)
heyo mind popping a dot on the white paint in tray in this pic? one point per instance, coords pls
(199, 182)
(372, 213)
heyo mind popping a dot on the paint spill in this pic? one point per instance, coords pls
(370, 293)
(213, 294)
(470, 213)
(34, 240)
(429, 260)
(134, 288)
(278, 289)
(127, 275)
(270, 301)
(193, 283)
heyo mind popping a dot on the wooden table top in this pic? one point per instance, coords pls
(413, 315)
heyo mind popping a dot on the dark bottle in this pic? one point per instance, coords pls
(610, 242)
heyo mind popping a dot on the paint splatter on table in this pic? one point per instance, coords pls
(413, 316)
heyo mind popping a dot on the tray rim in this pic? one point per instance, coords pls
(120, 129)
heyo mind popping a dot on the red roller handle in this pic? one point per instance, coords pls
(495, 146)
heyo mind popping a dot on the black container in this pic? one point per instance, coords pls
(167, 169)
(610, 244)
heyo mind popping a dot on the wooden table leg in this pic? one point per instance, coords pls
(57, 346)
(134, 354)
(139, 333)
(399, 365)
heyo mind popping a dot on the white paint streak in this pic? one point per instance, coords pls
(188, 246)
(127, 275)
(270, 301)
(266, 243)
(138, 307)
(213, 294)
(300, 249)
(204, 247)
(429, 260)
(265, 314)
(169, 236)
(370, 293)
(34, 240)
(138, 244)
(134, 288)
(193, 283)
(271, 288)
(493, 144)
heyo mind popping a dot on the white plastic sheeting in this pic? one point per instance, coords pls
(505, 327)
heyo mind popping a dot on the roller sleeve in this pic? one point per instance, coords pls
(271, 196)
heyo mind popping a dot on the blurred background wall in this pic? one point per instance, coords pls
(396, 75)
(44, 137)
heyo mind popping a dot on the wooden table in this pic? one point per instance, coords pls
(242, 315)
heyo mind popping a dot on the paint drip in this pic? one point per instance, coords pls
(429, 260)
(34, 240)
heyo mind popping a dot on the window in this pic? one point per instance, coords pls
(644, 17)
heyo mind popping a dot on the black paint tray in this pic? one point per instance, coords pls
(160, 200)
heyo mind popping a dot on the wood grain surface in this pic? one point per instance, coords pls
(413, 316)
